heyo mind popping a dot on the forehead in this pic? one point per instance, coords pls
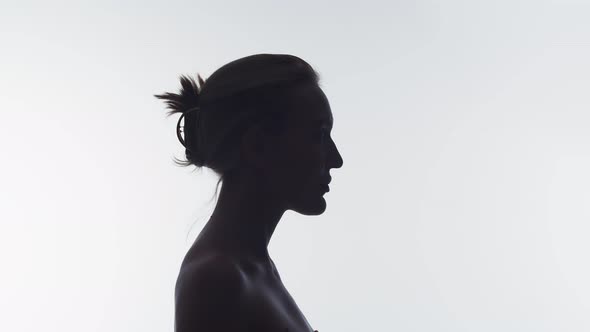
(311, 107)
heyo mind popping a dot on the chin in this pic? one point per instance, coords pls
(311, 208)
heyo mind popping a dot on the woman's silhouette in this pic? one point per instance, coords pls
(262, 123)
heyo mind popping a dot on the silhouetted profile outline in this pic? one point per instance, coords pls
(262, 123)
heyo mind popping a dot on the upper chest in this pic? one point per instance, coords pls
(267, 305)
(270, 307)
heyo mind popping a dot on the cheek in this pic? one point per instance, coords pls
(298, 164)
(301, 168)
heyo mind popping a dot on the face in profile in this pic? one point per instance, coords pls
(304, 155)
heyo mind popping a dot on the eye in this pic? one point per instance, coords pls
(323, 133)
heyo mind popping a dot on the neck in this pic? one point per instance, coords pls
(244, 218)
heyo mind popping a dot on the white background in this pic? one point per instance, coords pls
(462, 204)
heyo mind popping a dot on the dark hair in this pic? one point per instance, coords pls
(217, 111)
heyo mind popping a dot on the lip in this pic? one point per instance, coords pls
(326, 187)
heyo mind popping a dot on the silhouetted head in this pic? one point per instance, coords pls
(263, 118)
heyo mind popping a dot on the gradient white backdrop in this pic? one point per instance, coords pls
(462, 205)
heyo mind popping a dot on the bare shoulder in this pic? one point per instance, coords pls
(215, 268)
(209, 295)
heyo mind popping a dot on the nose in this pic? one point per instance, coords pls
(335, 159)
